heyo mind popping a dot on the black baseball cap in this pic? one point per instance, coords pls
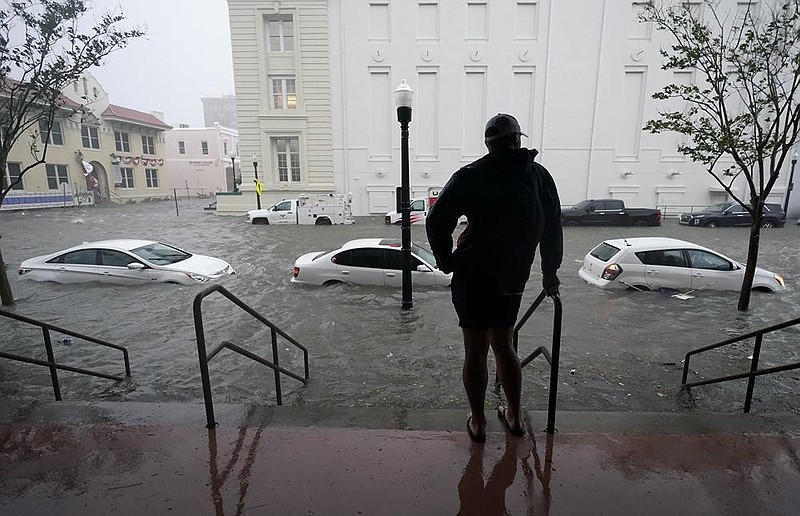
(500, 126)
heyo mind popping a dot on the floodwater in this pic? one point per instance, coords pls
(620, 350)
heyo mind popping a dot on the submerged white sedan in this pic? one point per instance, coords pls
(652, 263)
(368, 261)
(124, 262)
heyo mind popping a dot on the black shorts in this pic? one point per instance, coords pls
(480, 307)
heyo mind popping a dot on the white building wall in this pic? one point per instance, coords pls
(578, 75)
(259, 122)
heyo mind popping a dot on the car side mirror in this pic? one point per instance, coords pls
(423, 268)
(135, 266)
(590, 209)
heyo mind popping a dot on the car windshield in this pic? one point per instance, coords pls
(716, 208)
(161, 254)
(424, 254)
(581, 205)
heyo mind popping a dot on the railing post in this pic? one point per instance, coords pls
(275, 360)
(201, 353)
(555, 352)
(52, 360)
(751, 381)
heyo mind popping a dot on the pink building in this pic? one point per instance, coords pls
(201, 160)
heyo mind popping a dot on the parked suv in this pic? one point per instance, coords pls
(734, 214)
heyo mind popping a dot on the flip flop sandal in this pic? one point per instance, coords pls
(472, 435)
(501, 415)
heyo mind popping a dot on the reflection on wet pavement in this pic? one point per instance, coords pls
(109, 468)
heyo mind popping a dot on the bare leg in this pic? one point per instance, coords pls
(475, 375)
(509, 371)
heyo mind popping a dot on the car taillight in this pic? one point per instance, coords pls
(779, 279)
(295, 272)
(658, 215)
(611, 272)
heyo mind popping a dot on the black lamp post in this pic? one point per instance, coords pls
(258, 183)
(791, 184)
(404, 97)
(233, 172)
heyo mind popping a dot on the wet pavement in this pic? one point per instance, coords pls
(379, 429)
(140, 458)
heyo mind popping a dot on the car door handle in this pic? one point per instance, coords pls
(697, 274)
(391, 274)
(106, 274)
(655, 273)
(345, 273)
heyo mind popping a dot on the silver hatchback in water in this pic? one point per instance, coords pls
(652, 263)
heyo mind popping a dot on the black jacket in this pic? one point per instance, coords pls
(512, 205)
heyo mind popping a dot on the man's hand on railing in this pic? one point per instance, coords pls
(550, 283)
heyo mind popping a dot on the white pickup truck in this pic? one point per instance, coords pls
(317, 209)
(418, 211)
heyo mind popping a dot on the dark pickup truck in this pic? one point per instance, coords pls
(734, 214)
(608, 212)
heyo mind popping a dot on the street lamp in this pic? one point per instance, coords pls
(257, 182)
(233, 173)
(404, 97)
(791, 184)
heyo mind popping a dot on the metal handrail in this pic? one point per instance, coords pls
(51, 361)
(754, 370)
(205, 356)
(552, 359)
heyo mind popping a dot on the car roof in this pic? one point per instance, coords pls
(372, 242)
(124, 244)
(645, 243)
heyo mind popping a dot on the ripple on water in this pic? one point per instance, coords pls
(626, 348)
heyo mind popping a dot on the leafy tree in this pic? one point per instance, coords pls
(742, 116)
(43, 49)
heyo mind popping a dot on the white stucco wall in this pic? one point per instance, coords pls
(578, 75)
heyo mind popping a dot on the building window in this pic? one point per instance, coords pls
(127, 177)
(151, 176)
(54, 136)
(280, 33)
(148, 145)
(13, 171)
(90, 137)
(204, 146)
(287, 159)
(283, 93)
(56, 175)
(225, 148)
(181, 147)
(122, 142)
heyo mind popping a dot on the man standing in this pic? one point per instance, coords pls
(511, 205)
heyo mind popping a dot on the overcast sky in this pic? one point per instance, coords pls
(185, 55)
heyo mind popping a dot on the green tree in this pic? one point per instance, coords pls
(45, 45)
(741, 117)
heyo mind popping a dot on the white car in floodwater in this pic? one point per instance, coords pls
(124, 262)
(368, 261)
(652, 263)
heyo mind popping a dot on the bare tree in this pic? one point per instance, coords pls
(741, 117)
(43, 49)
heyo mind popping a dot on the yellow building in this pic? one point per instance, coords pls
(106, 154)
